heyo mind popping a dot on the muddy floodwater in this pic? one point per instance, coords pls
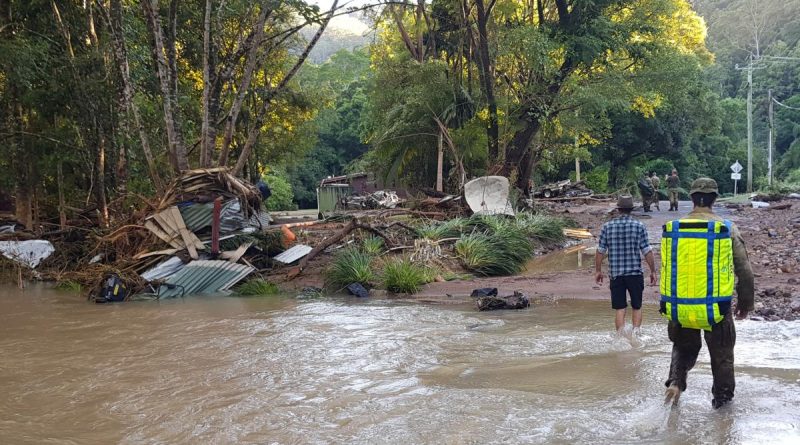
(281, 370)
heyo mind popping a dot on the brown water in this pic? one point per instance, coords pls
(228, 370)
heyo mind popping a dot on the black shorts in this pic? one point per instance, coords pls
(630, 284)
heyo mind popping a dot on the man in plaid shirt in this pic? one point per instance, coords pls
(624, 241)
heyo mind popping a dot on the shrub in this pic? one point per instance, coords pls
(69, 286)
(501, 253)
(448, 229)
(543, 227)
(282, 196)
(597, 179)
(372, 246)
(257, 287)
(403, 276)
(349, 266)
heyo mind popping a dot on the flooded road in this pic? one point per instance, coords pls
(232, 370)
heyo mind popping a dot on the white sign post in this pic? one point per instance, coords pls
(736, 176)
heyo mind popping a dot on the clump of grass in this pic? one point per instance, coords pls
(448, 229)
(69, 286)
(544, 228)
(349, 266)
(257, 287)
(503, 252)
(403, 276)
(372, 246)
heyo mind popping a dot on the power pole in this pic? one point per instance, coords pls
(749, 68)
(771, 137)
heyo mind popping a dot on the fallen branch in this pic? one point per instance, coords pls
(327, 242)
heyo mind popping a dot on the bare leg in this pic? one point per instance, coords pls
(636, 318)
(619, 319)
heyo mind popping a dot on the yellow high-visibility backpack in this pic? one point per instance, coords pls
(696, 272)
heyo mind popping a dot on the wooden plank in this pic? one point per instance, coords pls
(152, 227)
(165, 221)
(176, 218)
(234, 255)
(158, 252)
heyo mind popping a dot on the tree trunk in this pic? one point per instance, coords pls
(439, 162)
(244, 85)
(114, 20)
(206, 144)
(252, 137)
(100, 172)
(177, 150)
(487, 80)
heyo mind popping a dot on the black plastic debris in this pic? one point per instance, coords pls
(484, 292)
(358, 290)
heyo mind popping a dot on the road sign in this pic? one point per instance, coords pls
(736, 176)
(736, 167)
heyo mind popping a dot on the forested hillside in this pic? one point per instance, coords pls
(103, 101)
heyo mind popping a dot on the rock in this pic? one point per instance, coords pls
(484, 292)
(772, 233)
(793, 281)
(358, 290)
(517, 301)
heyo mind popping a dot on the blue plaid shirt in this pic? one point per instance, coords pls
(624, 240)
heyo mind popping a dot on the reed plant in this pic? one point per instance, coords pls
(351, 265)
(404, 276)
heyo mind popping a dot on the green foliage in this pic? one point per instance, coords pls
(372, 246)
(597, 179)
(257, 287)
(349, 266)
(69, 286)
(498, 246)
(281, 198)
(436, 231)
(545, 228)
(404, 276)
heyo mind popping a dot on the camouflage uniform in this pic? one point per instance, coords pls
(722, 337)
(656, 184)
(673, 183)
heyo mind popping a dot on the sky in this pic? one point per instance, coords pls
(343, 22)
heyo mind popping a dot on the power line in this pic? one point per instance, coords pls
(784, 105)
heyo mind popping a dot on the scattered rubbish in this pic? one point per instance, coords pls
(170, 227)
(772, 233)
(781, 206)
(517, 301)
(7, 228)
(29, 253)
(293, 254)
(488, 195)
(164, 269)
(204, 277)
(114, 290)
(97, 258)
(793, 196)
(759, 204)
(358, 290)
(484, 292)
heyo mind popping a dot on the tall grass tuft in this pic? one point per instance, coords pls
(372, 246)
(448, 229)
(500, 250)
(257, 287)
(69, 286)
(403, 276)
(545, 228)
(349, 266)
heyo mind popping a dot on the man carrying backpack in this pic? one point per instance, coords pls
(700, 255)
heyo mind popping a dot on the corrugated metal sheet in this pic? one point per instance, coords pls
(205, 277)
(293, 254)
(164, 269)
(197, 216)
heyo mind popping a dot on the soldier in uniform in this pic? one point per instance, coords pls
(700, 255)
(656, 184)
(673, 184)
